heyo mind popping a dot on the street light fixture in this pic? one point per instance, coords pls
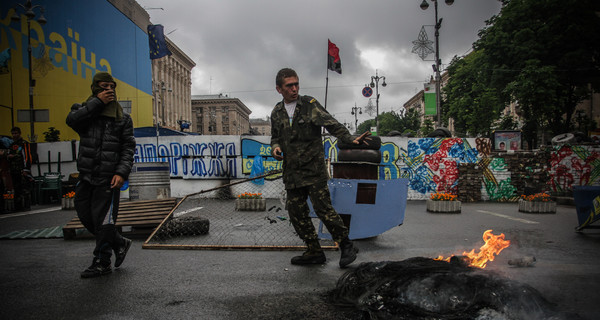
(30, 14)
(375, 84)
(436, 67)
(355, 112)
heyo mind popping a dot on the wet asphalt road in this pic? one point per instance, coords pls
(39, 278)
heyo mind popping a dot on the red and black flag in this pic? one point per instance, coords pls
(333, 58)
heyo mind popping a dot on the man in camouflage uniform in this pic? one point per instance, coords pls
(296, 139)
(19, 157)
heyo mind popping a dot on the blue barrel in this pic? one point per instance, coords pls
(584, 203)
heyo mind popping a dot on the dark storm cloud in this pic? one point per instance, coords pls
(241, 44)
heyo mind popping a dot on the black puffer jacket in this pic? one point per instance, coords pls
(106, 145)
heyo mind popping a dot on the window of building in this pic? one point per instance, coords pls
(126, 104)
(39, 115)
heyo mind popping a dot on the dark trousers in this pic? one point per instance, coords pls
(22, 192)
(97, 208)
(320, 198)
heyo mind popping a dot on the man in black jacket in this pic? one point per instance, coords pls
(106, 151)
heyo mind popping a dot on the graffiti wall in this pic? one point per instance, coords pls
(574, 166)
(430, 164)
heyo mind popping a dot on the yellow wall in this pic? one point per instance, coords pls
(72, 53)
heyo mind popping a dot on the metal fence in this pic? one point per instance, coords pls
(247, 214)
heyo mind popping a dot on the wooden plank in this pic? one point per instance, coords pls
(149, 205)
(126, 204)
(134, 216)
(122, 220)
(161, 209)
(146, 213)
(149, 222)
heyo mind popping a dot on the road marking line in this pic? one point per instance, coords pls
(508, 217)
(29, 212)
(177, 214)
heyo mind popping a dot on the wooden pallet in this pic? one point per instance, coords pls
(136, 217)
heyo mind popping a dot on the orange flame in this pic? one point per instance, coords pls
(492, 247)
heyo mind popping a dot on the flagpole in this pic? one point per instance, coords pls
(326, 87)
(12, 101)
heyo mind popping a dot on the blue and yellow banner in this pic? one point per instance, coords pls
(79, 39)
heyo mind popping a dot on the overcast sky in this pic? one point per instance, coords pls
(239, 45)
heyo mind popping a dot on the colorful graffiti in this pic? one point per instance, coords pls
(496, 179)
(430, 164)
(252, 150)
(574, 165)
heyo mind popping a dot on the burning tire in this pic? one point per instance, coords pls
(423, 288)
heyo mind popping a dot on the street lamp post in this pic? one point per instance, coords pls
(438, 23)
(375, 85)
(30, 14)
(355, 111)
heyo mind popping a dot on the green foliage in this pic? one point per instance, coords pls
(390, 121)
(472, 104)
(427, 128)
(410, 122)
(543, 55)
(507, 122)
(52, 135)
(365, 126)
(581, 122)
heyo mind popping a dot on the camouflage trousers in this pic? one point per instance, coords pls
(298, 209)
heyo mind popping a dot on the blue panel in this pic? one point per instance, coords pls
(369, 220)
(94, 34)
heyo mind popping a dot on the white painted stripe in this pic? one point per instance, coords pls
(177, 214)
(508, 217)
(4, 216)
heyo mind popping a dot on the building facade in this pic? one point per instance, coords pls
(171, 75)
(418, 102)
(172, 85)
(261, 126)
(219, 114)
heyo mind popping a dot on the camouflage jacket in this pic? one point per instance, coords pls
(301, 142)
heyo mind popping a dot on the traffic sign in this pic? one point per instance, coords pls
(367, 92)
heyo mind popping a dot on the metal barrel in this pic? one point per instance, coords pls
(149, 181)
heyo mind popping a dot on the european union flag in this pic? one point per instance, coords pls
(156, 39)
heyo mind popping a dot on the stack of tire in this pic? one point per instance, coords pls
(358, 161)
(570, 138)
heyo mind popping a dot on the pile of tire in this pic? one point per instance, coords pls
(570, 138)
(186, 226)
(440, 133)
(367, 151)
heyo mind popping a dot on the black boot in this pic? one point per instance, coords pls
(314, 254)
(348, 253)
